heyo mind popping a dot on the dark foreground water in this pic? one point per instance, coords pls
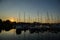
(11, 35)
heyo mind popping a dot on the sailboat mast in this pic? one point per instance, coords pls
(19, 16)
(29, 18)
(24, 16)
(58, 19)
(41, 17)
(47, 17)
(51, 18)
(38, 15)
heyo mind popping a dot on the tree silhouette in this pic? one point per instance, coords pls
(0, 25)
(7, 25)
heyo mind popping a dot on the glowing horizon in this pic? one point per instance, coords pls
(16, 8)
(12, 19)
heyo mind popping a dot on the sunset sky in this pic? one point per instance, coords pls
(15, 9)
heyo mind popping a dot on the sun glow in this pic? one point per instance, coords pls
(12, 19)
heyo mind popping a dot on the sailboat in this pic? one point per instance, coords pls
(18, 26)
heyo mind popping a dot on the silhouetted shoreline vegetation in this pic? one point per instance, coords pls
(32, 27)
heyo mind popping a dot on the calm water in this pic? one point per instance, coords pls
(11, 35)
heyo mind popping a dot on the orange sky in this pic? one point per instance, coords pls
(13, 19)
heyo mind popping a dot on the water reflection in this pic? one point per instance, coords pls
(11, 35)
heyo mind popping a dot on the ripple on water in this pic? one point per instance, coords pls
(11, 35)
